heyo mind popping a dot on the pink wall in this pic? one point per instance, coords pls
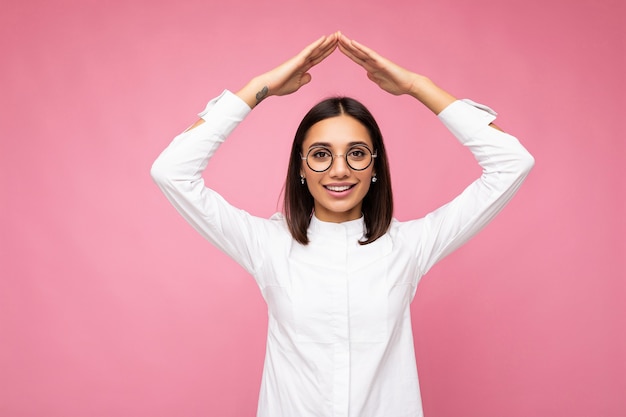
(110, 305)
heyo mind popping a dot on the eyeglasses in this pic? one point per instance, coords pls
(320, 158)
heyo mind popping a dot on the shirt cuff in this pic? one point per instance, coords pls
(226, 103)
(464, 117)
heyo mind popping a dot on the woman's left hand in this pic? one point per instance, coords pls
(389, 76)
(393, 78)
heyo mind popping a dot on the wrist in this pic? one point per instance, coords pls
(254, 92)
(419, 85)
(431, 95)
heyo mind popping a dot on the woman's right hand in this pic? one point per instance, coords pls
(288, 77)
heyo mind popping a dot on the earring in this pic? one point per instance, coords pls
(374, 179)
(302, 179)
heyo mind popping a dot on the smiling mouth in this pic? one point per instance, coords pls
(338, 188)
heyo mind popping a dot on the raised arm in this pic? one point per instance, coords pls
(504, 160)
(288, 77)
(178, 170)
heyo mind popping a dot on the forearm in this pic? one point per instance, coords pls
(429, 94)
(288, 77)
(433, 96)
(497, 152)
(186, 156)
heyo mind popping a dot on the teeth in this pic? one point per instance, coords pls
(338, 188)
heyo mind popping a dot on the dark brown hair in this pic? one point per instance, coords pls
(378, 202)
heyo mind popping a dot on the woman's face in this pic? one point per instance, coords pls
(338, 192)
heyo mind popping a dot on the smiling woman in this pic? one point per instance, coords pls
(338, 273)
(336, 191)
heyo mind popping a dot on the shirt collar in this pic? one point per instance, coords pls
(352, 228)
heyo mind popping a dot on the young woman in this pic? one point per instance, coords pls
(338, 273)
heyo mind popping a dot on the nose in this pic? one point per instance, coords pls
(339, 167)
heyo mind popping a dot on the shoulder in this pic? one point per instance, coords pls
(407, 229)
(276, 225)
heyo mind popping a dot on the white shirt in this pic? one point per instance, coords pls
(339, 339)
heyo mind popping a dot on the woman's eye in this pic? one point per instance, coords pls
(321, 154)
(357, 153)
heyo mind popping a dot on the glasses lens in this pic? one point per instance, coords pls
(359, 157)
(319, 159)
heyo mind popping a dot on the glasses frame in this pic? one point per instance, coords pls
(373, 155)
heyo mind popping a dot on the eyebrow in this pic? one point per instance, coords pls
(328, 145)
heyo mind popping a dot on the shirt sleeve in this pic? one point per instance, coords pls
(178, 173)
(505, 164)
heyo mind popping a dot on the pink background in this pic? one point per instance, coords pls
(110, 305)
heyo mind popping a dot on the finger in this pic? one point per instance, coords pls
(310, 49)
(367, 65)
(322, 44)
(357, 55)
(324, 49)
(319, 55)
(349, 45)
(312, 46)
(348, 52)
(344, 40)
(368, 56)
(323, 56)
(364, 50)
(346, 48)
(331, 40)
